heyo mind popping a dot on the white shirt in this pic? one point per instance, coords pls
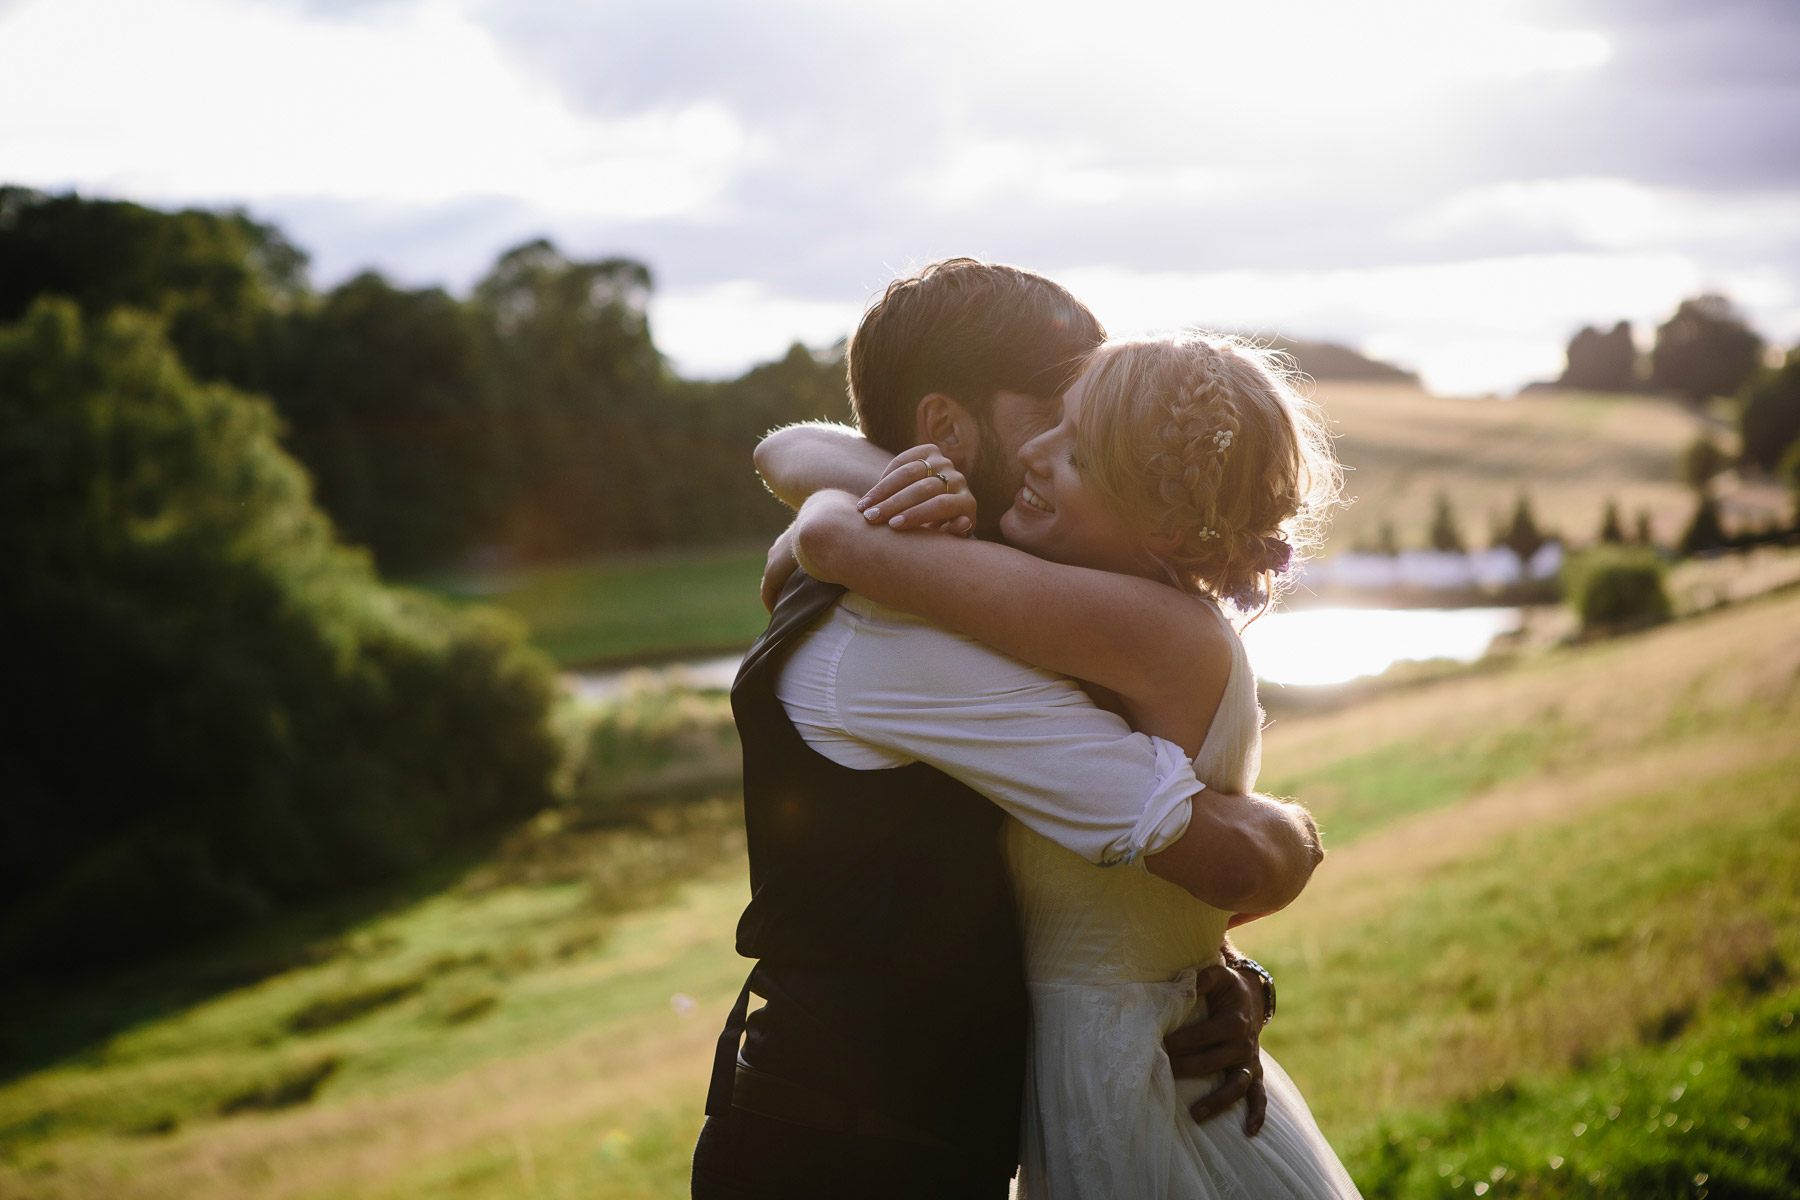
(871, 688)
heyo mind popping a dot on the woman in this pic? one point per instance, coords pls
(1180, 479)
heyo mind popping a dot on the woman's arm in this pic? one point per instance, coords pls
(798, 460)
(1144, 640)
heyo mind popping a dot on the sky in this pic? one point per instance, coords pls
(1455, 187)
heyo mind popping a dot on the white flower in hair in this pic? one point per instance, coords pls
(1208, 534)
(1222, 439)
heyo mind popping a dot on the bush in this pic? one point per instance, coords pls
(656, 743)
(213, 706)
(1614, 588)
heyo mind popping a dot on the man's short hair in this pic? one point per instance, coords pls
(968, 329)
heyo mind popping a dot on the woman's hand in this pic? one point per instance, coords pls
(921, 489)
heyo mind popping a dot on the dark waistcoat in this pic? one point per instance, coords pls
(882, 921)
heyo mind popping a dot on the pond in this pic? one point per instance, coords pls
(1298, 649)
(1335, 645)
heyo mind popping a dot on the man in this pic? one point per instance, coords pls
(881, 754)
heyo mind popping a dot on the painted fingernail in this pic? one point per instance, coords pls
(873, 514)
(862, 504)
(895, 523)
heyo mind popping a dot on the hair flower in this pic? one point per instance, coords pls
(1222, 439)
(1207, 534)
(1275, 555)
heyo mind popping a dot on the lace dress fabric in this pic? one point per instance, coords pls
(1111, 955)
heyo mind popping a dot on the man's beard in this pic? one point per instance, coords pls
(992, 483)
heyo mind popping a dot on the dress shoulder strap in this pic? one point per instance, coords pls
(1231, 757)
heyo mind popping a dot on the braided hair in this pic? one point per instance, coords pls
(1202, 442)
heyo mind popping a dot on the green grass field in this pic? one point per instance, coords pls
(671, 605)
(1550, 954)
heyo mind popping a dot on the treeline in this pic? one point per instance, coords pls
(1705, 349)
(535, 419)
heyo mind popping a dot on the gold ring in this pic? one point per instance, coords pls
(941, 479)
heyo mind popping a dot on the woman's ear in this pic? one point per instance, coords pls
(1162, 542)
(949, 426)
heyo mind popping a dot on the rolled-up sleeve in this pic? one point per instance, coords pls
(1031, 741)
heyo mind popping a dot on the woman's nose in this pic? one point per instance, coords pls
(1035, 452)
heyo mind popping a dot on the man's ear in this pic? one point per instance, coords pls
(949, 426)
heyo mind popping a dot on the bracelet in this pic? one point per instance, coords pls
(1239, 962)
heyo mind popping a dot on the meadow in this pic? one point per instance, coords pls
(663, 605)
(1401, 448)
(1551, 953)
(1571, 452)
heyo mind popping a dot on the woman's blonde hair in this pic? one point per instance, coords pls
(1204, 442)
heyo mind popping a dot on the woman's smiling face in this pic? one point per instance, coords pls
(1060, 516)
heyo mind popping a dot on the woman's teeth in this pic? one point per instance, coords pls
(1036, 501)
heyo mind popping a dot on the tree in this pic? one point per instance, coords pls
(578, 384)
(1445, 536)
(802, 385)
(390, 411)
(1701, 461)
(1644, 534)
(1704, 350)
(536, 415)
(214, 707)
(221, 284)
(1769, 417)
(1790, 471)
(1602, 362)
(1521, 534)
(1705, 530)
(1612, 532)
(1386, 540)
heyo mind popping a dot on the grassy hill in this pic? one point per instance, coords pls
(1572, 451)
(1551, 953)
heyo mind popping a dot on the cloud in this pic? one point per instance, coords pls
(417, 105)
(1466, 326)
(712, 332)
(1297, 163)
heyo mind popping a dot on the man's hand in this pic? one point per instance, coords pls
(921, 489)
(1227, 1040)
(781, 566)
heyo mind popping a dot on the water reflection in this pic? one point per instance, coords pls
(1335, 645)
(1298, 649)
(699, 673)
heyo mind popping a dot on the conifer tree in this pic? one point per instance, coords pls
(1612, 533)
(1522, 535)
(1445, 536)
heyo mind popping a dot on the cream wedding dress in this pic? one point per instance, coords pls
(1110, 959)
